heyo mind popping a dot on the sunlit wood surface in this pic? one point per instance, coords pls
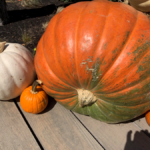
(60, 129)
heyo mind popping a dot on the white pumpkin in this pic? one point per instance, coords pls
(141, 5)
(16, 70)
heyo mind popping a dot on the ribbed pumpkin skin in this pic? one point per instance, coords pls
(103, 47)
(16, 70)
(33, 102)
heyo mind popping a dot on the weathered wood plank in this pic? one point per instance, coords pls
(58, 129)
(142, 124)
(125, 136)
(14, 133)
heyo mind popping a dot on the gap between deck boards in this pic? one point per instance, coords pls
(101, 138)
(117, 136)
(96, 129)
(36, 137)
(88, 130)
(31, 130)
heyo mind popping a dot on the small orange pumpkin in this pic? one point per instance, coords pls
(147, 117)
(33, 99)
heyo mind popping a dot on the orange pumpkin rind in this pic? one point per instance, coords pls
(33, 99)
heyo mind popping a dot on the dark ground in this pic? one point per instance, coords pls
(26, 25)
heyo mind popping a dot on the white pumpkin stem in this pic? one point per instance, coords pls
(86, 97)
(34, 86)
(2, 45)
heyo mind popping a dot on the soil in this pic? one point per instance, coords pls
(27, 24)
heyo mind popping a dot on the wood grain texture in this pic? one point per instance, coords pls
(142, 124)
(14, 133)
(58, 129)
(125, 136)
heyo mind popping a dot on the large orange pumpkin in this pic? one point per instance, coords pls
(94, 59)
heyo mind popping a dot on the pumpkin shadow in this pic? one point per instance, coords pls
(51, 104)
(138, 141)
(132, 120)
(7, 101)
(17, 15)
(17, 99)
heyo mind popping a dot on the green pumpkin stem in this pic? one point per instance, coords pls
(35, 84)
(2, 45)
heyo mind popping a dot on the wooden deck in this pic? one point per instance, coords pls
(60, 129)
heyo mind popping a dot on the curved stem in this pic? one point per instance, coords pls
(35, 84)
(2, 45)
(86, 97)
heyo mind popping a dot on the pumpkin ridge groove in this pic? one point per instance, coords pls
(116, 114)
(47, 64)
(66, 98)
(138, 106)
(74, 106)
(136, 82)
(126, 40)
(116, 103)
(44, 54)
(18, 55)
(102, 105)
(18, 63)
(99, 43)
(60, 102)
(113, 114)
(56, 94)
(56, 54)
(3, 64)
(56, 47)
(13, 52)
(76, 31)
(26, 62)
(49, 84)
(37, 102)
(99, 99)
